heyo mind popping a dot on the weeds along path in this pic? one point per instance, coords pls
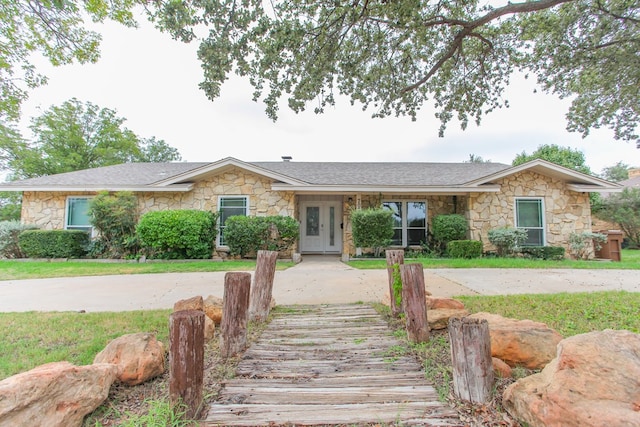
(328, 365)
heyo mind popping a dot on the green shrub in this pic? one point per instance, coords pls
(177, 234)
(464, 249)
(245, 235)
(9, 232)
(446, 228)
(372, 228)
(555, 253)
(54, 243)
(581, 244)
(507, 239)
(114, 217)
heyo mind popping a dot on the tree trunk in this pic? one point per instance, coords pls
(263, 285)
(186, 360)
(414, 302)
(471, 359)
(394, 257)
(235, 313)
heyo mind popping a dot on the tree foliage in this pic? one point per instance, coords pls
(115, 217)
(563, 156)
(616, 173)
(623, 209)
(372, 228)
(75, 136)
(393, 57)
(54, 29)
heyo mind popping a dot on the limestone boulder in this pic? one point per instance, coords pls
(438, 302)
(521, 342)
(501, 369)
(57, 394)
(213, 308)
(209, 328)
(593, 381)
(439, 317)
(195, 303)
(139, 357)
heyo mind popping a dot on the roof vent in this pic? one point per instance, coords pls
(286, 158)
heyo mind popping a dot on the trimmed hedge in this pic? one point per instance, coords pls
(246, 235)
(178, 234)
(556, 253)
(54, 243)
(372, 228)
(464, 249)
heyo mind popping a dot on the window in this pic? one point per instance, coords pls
(78, 214)
(409, 222)
(529, 216)
(229, 206)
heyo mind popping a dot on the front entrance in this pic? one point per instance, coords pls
(321, 227)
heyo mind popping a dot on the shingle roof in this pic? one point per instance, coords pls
(314, 173)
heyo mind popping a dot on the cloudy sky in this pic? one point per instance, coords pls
(152, 81)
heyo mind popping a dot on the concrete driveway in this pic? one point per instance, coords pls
(317, 280)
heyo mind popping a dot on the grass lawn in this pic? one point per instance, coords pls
(15, 270)
(630, 261)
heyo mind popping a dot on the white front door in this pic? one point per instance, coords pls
(321, 227)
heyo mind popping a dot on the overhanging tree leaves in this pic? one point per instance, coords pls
(623, 209)
(395, 56)
(54, 29)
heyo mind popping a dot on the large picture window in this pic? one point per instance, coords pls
(409, 222)
(229, 206)
(77, 217)
(530, 217)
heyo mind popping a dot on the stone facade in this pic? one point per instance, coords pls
(565, 211)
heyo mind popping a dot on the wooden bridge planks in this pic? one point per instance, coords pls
(328, 365)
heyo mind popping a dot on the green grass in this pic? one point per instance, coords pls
(31, 339)
(630, 261)
(16, 270)
(568, 313)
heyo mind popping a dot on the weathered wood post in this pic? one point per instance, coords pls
(394, 257)
(235, 313)
(261, 291)
(186, 360)
(471, 359)
(414, 302)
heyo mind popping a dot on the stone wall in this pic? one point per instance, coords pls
(566, 211)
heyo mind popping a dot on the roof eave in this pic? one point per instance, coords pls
(180, 188)
(593, 188)
(408, 189)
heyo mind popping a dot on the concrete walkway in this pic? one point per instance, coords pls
(317, 280)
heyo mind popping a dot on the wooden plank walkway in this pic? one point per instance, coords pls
(328, 365)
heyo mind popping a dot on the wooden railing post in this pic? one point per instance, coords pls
(262, 285)
(471, 359)
(235, 313)
(394, 257)
(186, 360)
(414, 302)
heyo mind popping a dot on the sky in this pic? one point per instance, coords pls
(152, 81)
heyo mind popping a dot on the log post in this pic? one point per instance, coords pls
(471, 359)
(261, 291)
(235, 313)
(414, 302)
(394, 257)
(186, 360)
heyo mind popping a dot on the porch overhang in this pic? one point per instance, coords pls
(351, 189)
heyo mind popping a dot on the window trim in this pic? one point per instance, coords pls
(67, 226)
(405, 211)
(247, 201)
(543, 227)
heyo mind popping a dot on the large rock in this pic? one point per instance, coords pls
(213, 309)
(521, 342)
(139, 357)
(439, 317)
(55, 394)
(593, 381)
(439, 302)
(195, 303)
